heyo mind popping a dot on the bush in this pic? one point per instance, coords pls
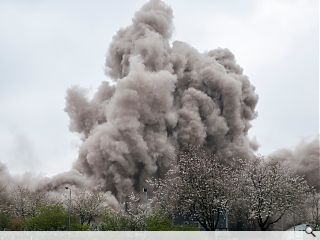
(120, 222)
(4, 221)
(154, 222)
(189, 227)
(50, 218)
(79, 227)
(17, 224)
(159, 222)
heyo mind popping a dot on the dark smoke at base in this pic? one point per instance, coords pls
(164, 96)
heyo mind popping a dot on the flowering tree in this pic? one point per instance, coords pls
(88, 205)
(4, 202)
(270, 191)
(130, 217)
(313, 205)
(26, 202)
(199, 188)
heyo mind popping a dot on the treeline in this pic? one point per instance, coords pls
(23, 209)
(201, 191)
(55, 218)
(252, 193)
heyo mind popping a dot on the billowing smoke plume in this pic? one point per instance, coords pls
(165, 95)
(304, 160)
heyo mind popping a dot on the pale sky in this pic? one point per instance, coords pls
(48, 46)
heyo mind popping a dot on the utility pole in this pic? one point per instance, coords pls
(69, 208)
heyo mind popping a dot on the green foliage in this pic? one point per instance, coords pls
(119, 222)
(4, 221)
(159, 222)
(17, 224)
(50, 218)
(80, 227)
(55, 218)
(162, 222)
(154, 222)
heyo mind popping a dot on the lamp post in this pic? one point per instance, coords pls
(126, 204)
(69, 208)
(227, 221)
(145, 191)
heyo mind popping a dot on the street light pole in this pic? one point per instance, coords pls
(227, 221)
(126, 204)
(69, 208)
(145, 190)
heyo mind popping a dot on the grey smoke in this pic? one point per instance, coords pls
(24, 151)
(304, 160)
(70, 178)
(5, 177)
(165, 95)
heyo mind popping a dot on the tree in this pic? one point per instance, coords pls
(314, 205)
(88, 205)
(4, 221)
(270, 191)
(199, 188)
(52, 218)
(120, 221)
(16, 224)
(239, 218)
(4, 200)
(159, 221)
(25, 202)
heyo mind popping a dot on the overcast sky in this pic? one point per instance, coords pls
(48, 46)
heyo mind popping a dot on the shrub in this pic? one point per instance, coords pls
(17, 224)
(50, 218)
(120, 222)
(4, 221)
(159, 222)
